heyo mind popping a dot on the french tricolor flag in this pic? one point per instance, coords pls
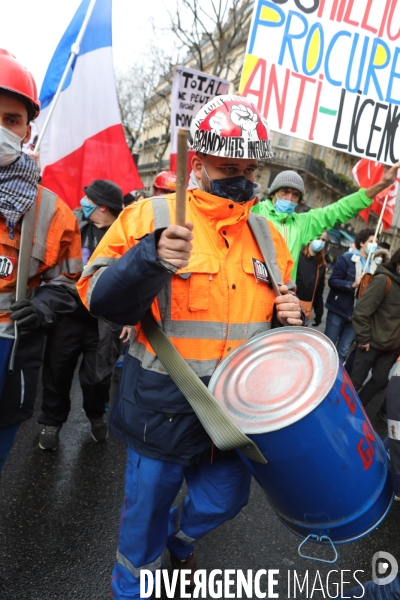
(84, 139)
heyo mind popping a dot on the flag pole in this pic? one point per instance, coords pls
(181, 179)
(75, 49)
(377, 230)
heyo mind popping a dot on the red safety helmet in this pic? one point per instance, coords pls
(166, 180)
(17, 79)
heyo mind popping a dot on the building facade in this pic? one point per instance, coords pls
(326, 172)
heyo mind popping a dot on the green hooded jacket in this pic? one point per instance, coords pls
(298, 229)
(376, 318)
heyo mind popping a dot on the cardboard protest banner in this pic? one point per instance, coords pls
(328, 71)
(191, 90)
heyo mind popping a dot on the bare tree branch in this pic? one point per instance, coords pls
(136, 92)
(209, 35)
(217, 31)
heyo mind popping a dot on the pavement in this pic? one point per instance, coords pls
(59, 514)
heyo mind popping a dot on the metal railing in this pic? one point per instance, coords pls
(153, 165)
(299, 161)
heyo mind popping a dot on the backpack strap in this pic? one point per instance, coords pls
(315, 285)
(388, 284)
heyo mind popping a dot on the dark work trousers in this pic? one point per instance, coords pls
(18, 397)
(70, 338)
(380, 362)
(350, 361)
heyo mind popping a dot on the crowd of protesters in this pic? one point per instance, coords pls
(365, 327)
(133, 249)
(363, 319)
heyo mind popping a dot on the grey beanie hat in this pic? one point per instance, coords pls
(287, 179)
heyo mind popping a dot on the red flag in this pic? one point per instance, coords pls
(367, 173)
(85, 139)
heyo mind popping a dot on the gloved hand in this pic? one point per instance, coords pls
(27, 316)
(317, 321)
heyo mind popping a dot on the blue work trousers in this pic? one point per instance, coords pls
(390, 591)
(217, 492)
(340, 331)
(7, 437)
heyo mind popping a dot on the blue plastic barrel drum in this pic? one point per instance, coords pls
(327, 471)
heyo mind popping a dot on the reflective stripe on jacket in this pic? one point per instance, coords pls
(215, 303)
(56, 253)
(207, 309)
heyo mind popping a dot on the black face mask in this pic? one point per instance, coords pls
(238, 189)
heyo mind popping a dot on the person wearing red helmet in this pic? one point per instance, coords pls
(56, 251)
(199, 284)
(164, 183)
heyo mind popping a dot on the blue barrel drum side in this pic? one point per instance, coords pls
(327, 474)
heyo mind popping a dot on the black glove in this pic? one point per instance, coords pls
(318, 321)
(27, 316)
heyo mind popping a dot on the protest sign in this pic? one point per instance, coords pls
(328, 71)
(191, 90)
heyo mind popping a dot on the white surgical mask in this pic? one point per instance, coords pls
(372, 247)
(378, 260)
(317, 245)
(10, 147)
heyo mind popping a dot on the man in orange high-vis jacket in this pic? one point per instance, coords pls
(200, 286)
(56, 251)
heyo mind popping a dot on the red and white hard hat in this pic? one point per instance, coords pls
(17, 79)
(232, 127)
(166, 180)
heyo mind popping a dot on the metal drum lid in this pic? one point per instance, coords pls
(276, 378)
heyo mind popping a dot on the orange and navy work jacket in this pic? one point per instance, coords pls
(56, 254)
(207, 309)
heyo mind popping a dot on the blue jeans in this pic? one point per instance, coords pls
(217, 492)
(340, 331)
(7, 437)
(390, 591)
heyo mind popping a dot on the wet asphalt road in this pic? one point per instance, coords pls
(59, 515)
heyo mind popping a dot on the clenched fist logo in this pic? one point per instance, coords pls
(246, 119)
(218, 122)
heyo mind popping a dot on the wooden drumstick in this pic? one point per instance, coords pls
(181, 178)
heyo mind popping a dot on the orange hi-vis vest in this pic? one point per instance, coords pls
(56, 253)
(214, 304)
